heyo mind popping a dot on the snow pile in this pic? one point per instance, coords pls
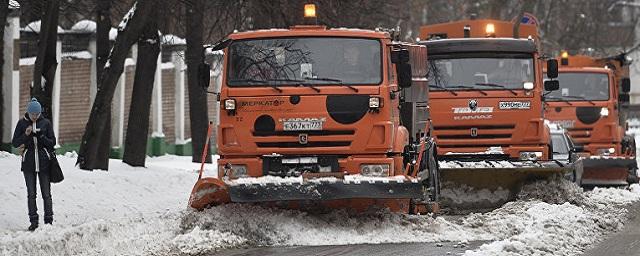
(260, 226)
(553, 218)
(170, 39)
(35, 27)
(265, 180)
(84, 26)
(476, 164)
(77, 55)
(461, 194)
(489, 151)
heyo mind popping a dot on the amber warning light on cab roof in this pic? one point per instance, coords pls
(310, 17)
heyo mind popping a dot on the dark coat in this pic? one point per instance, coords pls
(45, 138)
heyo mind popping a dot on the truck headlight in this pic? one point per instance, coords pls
(374, 170)
(604, 112)
(230, 104)
(375, 102)
(530, 155)
(605, 151)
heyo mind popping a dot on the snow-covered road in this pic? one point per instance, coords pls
(142, 211)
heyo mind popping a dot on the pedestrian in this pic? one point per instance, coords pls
(35, 138)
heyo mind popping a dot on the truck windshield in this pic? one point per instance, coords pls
(580, 86)
(479, 72)
(304, 60)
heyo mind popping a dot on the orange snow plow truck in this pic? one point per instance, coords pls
(592, 96)
(318, 117)
(486, 90)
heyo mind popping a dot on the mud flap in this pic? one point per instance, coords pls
(208, 192)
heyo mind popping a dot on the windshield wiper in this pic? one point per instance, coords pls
(498, 86)
(298, 81)
(580, 98)
(469, 87)
(558, 99)
(332, 80)
(443, 88)
(250, 80)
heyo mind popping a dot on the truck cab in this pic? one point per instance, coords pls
(592, 96)
(486, 90)
(313, 114)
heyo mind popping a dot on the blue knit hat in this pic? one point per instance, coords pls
(34, 106)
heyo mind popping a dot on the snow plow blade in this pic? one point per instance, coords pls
(609, 171)
(208, 192)
(321, 191)
(500, 180)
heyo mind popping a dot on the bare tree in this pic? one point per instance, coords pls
(46, 62)
(129, 31)
(195, 60)
(103, 26)
(135, 144)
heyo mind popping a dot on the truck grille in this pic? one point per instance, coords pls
(494, 135)
(283, 139)
(298, 145)
(580, 135)
(295, 133)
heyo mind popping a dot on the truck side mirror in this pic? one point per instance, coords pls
(404, 75)
(626, 85)
(623, 98)
(204, 71)
(399, 56)
(552, 68)
(551, 85)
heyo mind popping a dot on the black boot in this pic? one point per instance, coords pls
(33, 226)
(48, 221)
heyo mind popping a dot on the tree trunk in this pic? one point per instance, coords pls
(527, 6)
(4, 12)
(103, 26)
(128, 35)
(46, 62)
(198, 116)
(135, 145)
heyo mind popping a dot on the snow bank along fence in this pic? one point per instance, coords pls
(75, 88)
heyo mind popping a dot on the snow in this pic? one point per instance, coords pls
(27, 61)
(13, 4)
(77, 55)
(142, 211)
(167, 65)
(466, 195)
(84, 26)
(127, 17)
(477, 164)
(264, 180)
(35, 27)
(113, 33)
(170, 39)
(490, 150)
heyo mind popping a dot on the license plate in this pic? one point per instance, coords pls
(303, 126)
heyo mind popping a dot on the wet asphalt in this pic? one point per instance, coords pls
(408, 249)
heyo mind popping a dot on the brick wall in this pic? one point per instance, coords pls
(75, 83)
(168, 105)
(26, 74)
